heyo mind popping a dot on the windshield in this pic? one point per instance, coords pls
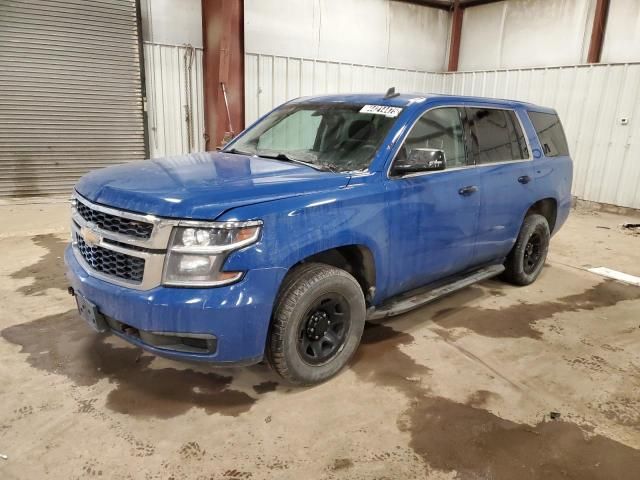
(336, 136)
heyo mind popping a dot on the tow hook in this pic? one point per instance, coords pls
(71, 291)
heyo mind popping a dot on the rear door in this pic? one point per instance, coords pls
(503, 162)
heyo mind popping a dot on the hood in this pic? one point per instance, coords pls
(201, 186)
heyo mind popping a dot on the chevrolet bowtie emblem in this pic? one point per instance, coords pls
(90, 234)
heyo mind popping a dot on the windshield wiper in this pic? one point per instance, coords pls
(286, 158)
(328, 167)
(235, 151)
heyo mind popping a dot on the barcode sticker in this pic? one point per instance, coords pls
(381, 110)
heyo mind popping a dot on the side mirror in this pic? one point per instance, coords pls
(422, 160)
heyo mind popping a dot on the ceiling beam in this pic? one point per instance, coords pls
(597, 31)
(477, 3)
(429, 3)
(449, 5)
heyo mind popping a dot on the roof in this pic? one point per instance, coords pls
(406, 99)
(377, 98)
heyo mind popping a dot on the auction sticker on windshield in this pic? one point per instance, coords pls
(381, 110)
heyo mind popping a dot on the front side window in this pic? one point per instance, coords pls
(496, 135)
(550, 134)
(335, 136)
(440, 129)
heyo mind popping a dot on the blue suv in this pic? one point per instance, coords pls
(326, 212)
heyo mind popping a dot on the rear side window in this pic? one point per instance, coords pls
(496, 135)
(550, 134)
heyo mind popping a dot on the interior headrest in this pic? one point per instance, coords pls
(359, 129)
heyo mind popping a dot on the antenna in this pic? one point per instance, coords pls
(391, 93)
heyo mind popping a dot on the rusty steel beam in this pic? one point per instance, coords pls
(223, 65)
(597, 31)
(449, 5)
(477, 3)
(440, 5)
(456, 33)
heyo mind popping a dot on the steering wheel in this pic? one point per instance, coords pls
(354, 158)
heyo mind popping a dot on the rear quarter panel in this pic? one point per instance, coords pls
(553, 176)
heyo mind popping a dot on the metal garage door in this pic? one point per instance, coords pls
(70, 92)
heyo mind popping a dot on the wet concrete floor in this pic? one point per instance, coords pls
(463, 388)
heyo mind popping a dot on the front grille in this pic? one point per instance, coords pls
(112, 263)
(113, 223)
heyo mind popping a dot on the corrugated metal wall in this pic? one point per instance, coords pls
(379, 32)
(70, 88)
(270, 80)
(591, 99)
(166, 68)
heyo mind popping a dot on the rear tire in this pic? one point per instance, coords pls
(526, 259)
(318, 321)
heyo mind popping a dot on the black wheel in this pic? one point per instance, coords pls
(526, 259)
(317, 324)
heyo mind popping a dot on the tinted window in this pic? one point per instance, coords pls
(550, 134)
(442, 129)
(496, 135)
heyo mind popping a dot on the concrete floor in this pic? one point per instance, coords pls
(462, 388)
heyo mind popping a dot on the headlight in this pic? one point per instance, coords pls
(197, 253)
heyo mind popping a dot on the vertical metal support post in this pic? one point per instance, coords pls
(597, 31)
(456, 32)
(223, 40)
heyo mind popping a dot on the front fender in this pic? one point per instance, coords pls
(298, 227)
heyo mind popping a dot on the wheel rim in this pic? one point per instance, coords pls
(324, 329)
(532, 253)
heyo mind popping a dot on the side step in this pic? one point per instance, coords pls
(419, 297)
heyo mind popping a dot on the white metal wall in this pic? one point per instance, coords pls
(271, 80)
(169, 28)
(622, 35)
(591, 100)
(379, 32)
(526, 33)
(529, 33)
(166, 70)
(172, 22)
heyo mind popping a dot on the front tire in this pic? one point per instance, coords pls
(317, 324)
(526, 259)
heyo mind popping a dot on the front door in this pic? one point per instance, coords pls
(432, 216)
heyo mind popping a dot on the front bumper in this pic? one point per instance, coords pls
(236, 315)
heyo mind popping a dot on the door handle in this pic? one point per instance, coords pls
(524, 179)
(466, 191)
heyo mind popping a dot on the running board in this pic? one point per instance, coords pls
(417, 298)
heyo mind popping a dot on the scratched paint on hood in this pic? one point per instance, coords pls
(202, 185)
